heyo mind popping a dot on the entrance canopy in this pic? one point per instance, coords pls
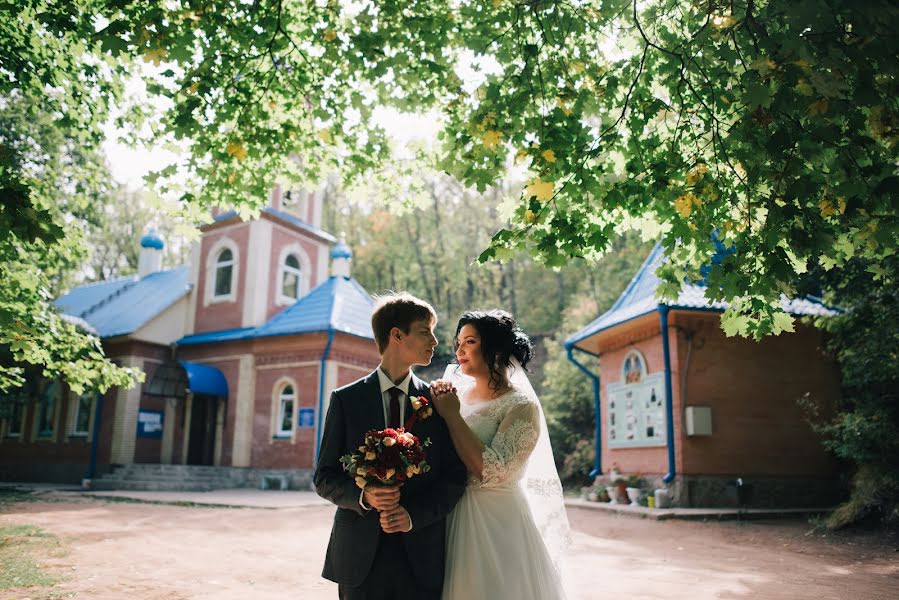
(175, 379)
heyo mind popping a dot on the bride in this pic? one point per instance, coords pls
(506, 535)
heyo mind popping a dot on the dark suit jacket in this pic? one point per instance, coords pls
(429, 497)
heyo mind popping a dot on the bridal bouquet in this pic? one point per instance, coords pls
(390, 456)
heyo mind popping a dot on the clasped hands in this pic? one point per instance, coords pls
(386, 500)
(444, 397)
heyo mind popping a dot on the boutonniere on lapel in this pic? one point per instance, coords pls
(421, 410)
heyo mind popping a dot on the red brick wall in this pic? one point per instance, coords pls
(286, 453)
(64, 449)
(149, 450)
(221, 315)
(752, 388)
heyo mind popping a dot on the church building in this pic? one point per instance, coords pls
(241, 349)
(712, 420)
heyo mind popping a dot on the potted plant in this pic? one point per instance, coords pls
(633, 489)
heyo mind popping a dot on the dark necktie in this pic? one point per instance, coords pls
(394, 412)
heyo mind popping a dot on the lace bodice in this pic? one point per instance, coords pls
(509, 427)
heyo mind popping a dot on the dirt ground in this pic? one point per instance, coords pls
(115, 550)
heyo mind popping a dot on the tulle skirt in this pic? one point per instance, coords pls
(495, 552)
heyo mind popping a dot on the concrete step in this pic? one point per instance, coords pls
(152, 477)
(171, 477)
(154, 486)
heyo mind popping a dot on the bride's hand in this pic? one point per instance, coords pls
(441, 386)
(446, 403)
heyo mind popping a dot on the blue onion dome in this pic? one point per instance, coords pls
(341, 250)
(152, 240)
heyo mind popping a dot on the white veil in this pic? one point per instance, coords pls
(540, 482)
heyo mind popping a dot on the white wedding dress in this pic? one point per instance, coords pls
(495, 548)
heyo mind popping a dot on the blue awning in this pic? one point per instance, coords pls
(175, 379)
(203, 379)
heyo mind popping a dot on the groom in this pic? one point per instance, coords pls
(389, 541)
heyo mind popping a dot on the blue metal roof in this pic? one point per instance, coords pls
(284, 216)
(203, 379)
(121, 306)
(639, 298)
(338, 304)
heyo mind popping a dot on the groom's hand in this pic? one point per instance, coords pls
(396, 520)
(381, 497)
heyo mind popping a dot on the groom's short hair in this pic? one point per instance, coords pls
(398, 310)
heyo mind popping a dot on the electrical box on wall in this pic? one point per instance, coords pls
(699, 420)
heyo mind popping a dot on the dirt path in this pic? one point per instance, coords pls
(144, 551)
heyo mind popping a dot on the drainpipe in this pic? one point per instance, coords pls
(321, 393)
(95, 442)
(594, 379)
(669, 401)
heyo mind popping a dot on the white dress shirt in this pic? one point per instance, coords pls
(386, 384)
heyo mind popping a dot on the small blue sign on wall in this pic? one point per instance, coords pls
(306, 418)
(149, 423)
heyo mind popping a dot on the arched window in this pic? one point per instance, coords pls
(285, 412)
(633, 370)
(224, 270)
(291, 274)
(294, 273)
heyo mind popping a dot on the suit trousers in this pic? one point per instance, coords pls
(391, 576)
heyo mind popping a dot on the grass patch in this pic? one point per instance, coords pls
(10, 495)
(18, 567)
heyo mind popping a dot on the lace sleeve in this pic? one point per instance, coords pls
(506, 456)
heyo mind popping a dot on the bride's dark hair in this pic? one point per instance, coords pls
(501, 340)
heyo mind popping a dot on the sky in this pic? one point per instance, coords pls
(129, 165)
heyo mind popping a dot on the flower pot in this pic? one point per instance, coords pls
(633, 494)
(612, 491)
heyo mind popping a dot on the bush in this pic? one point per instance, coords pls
(865, 431)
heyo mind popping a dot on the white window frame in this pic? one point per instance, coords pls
(75, 410)
(279, 398)
(212, 264)
(305, 272)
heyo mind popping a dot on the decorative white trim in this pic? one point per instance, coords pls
(259, 257)
(124, 428)
(74, 409)
(244, 412)
(641, 363)
(305, 271)
(190, 318)
(308, 363)
(209, 296)
(317, 202)
(324, 257)
(277, 399)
